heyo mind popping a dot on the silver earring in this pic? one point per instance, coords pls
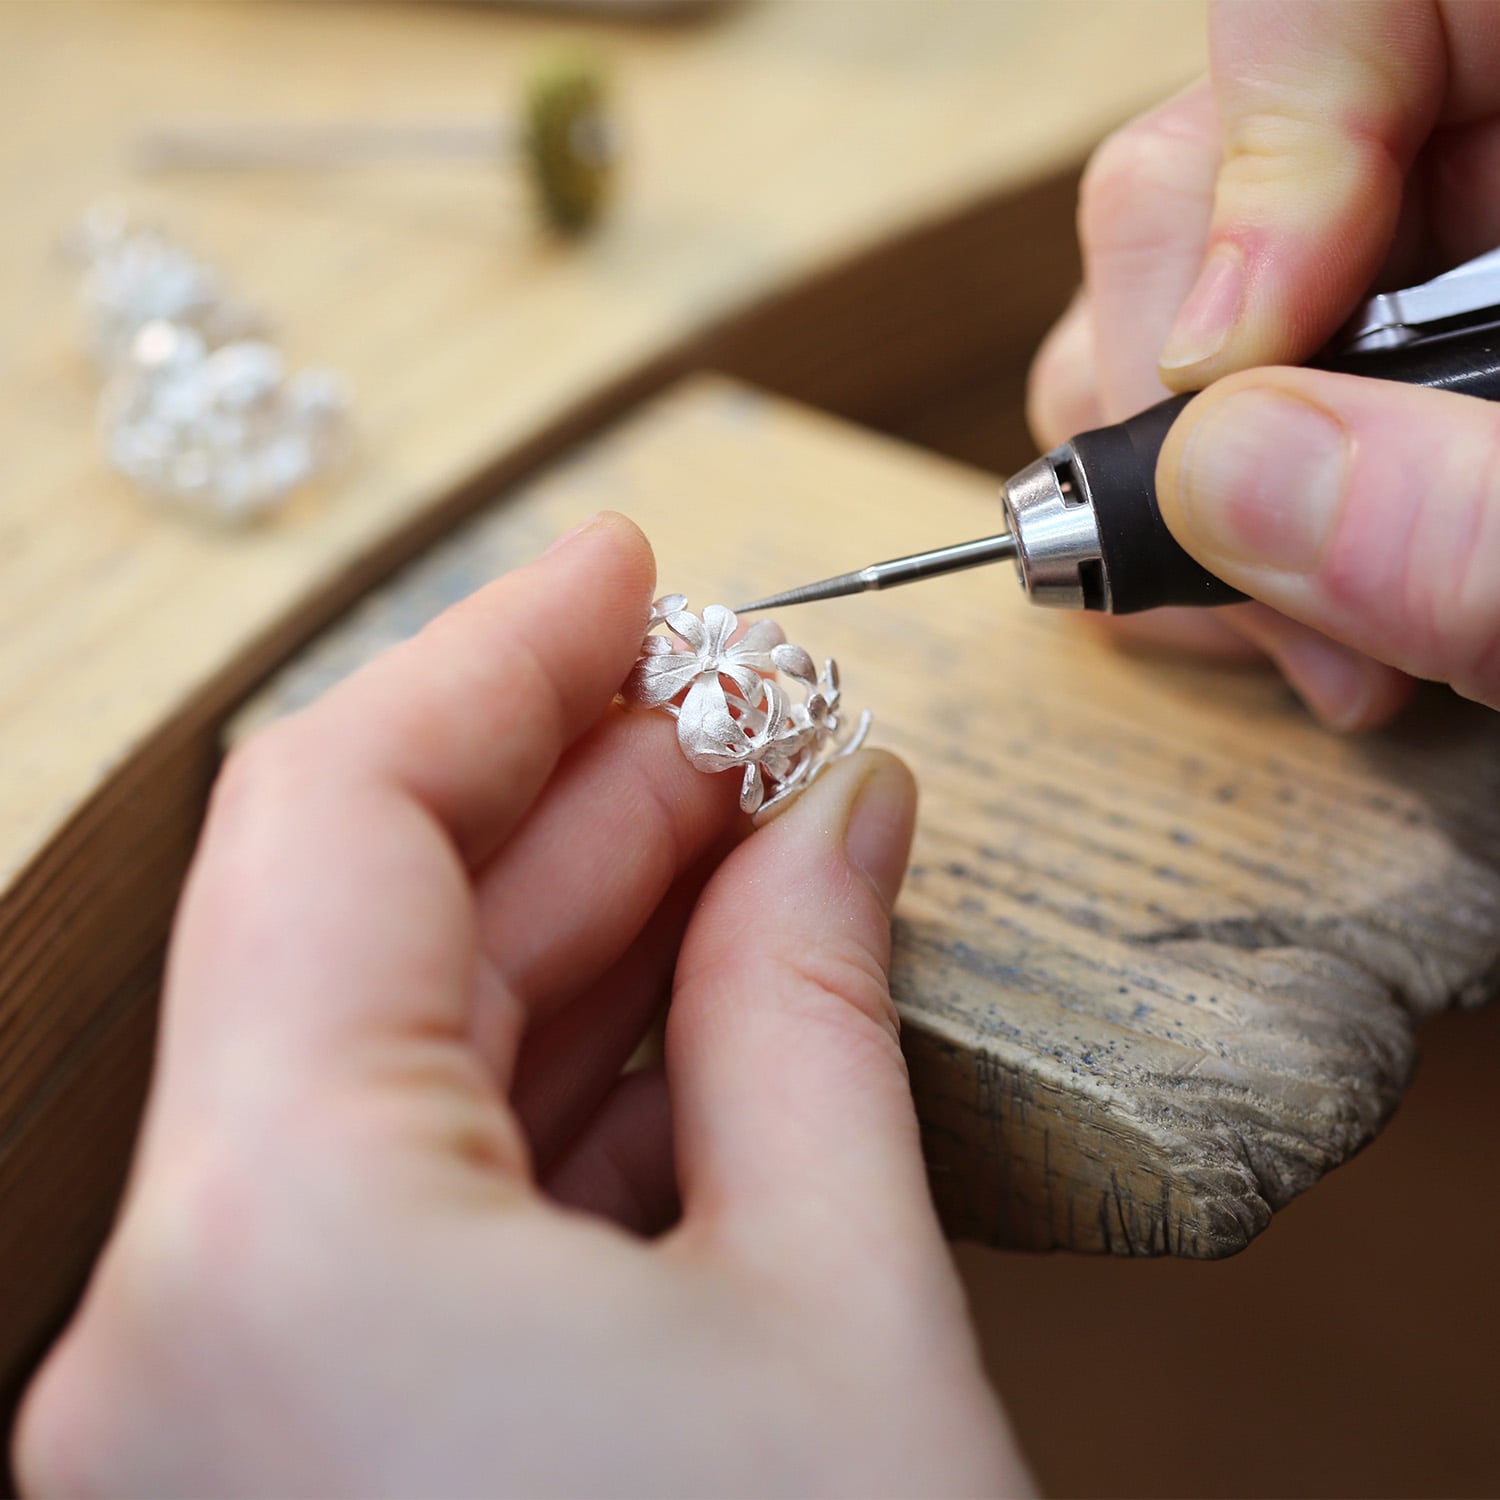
(226, 432)
(197, 410)
(732, 711)
(134, 275)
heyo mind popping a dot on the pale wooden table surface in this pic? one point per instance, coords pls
(1164, 942)
(764, 142)
(770, 146)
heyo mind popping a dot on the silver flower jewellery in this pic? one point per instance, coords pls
(199, 410)
(732, 711)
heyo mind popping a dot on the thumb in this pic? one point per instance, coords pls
(794, 1121)
(1368, 510)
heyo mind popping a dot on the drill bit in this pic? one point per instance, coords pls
(919, 565)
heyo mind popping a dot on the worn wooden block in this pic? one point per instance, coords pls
(1165, 943)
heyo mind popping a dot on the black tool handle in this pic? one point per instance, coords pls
(1116, 469)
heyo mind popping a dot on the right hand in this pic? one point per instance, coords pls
(1335, 147)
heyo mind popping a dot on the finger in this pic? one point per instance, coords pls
(1143, 214)
(620, 1167)
(1324, 106)
(1367, 510)
(1209, 634)
(569, 1063)
(797, 1141)
(470, 716)
(329, 909)
(1344, 688)
(1062, 388)
(624, 817)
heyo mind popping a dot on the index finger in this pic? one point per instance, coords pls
(330, 904)
(470, 716)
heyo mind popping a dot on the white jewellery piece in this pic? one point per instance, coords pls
(134, 275)
(198, 410)
(224, 431)
(732, 712)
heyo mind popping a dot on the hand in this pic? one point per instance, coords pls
(1336, 147)
(386, 1228)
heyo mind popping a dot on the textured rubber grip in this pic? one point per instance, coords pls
(1115, 468)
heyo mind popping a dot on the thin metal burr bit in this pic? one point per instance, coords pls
(913, 569)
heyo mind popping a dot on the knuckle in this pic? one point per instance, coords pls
(259, 772)
(840, 983)
(1303, 152)
(1141, 165)
(1278, 138)
(1061, 390)
(430, 1095)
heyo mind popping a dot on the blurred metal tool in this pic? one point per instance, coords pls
(565, 140)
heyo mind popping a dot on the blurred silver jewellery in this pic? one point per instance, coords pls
(226, 432)
(565, 141)
(731, 709)
(134, 275)
(198, 408)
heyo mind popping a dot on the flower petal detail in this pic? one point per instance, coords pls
(745, 678)
(776, 707)
(718, 624)
(657, 679)
(730, 700)
(689, 629)
(668, 604)
(706, 729)
(761, 636)
(752, 789)
(795, 662)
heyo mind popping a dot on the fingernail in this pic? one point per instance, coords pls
(877, 838)
(1260, 480)
(1211, 310)
(567, 536)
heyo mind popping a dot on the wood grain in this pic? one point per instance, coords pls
(1164, 942)
(865, 209)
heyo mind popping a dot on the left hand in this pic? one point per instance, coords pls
(386, 1231)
